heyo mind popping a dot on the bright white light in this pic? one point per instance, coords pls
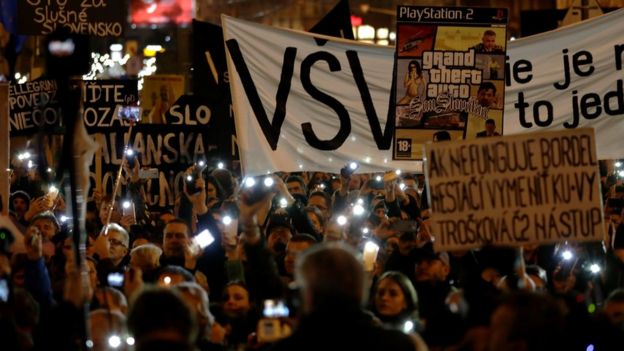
(370, 246)
(30, 164)
(114, 341)
(126, 205)
(594, 268)
(116, 47)
(353, 165)
(220, 165)
(283, 203)
(24, 156)
(152, 8)
(392, 36)
(201, 163)
(129, 152)
(227, 220)
(49, 170)
(53, 189)
(408, 327)
(366, 32)
(378, 178)
(398, 172)
(365, 230)
(268, 182)
(385, 160)
(130, 340)
(64, 218)
(204, 239)
(367, 160)
(358, 210)
(249, 182)
(382, 33)
(18, 75)
(153, 47)
(167, 280)
(621, 174)
(512, 38)
(300, 166)
(618, 164)
(189, 178)
(402, 186)
(89, 343)
(567, 255)
(360, 201)
(341, 220)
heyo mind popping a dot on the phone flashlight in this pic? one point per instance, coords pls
(203, 239)
(227, 220)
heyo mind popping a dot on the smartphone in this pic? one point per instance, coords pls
(256, 190)
(203, 239)
(405, 226)
(275, 309)
(129, 113)
(4, 290)
(127, 208)
(115, 279)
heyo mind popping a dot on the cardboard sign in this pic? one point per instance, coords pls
(514, 190)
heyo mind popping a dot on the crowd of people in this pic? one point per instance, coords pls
(298, 261)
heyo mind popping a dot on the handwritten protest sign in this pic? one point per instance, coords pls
(534, 188)
(102, 18)
(34, 106)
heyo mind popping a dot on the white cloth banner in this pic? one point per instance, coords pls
(334, 93)
(575, 81)
(335, 88)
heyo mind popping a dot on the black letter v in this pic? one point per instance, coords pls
(272, 129)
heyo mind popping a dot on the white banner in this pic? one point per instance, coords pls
(570, 78)
(300, 104)
(335, 88)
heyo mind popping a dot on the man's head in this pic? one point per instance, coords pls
(296, 246)
(486, 95)
(20, 201)
(145, 257)
(296, 185)
(160, 316)
(47, 224)
(490, 126)
(527, 322)
(103, 324)
(322, 201)
(330, 274)
(489, 40)
(176, 236)
(442, 135)
(279, 231)
(614, 308)
(119, 242)
(434, 268)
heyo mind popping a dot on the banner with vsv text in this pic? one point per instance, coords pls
(562, 79)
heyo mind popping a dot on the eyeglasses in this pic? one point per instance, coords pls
(115, 242)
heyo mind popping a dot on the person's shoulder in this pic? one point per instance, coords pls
(481, 134)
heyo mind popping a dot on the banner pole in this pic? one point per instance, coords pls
(117, 181)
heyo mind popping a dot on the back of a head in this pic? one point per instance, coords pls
(105, 324)
(533, 320)
(331, 273)
(160, 316)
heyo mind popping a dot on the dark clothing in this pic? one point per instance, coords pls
(483, 134)
(480, 48)
(614, 273)
(343, 327)
(443, 327)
